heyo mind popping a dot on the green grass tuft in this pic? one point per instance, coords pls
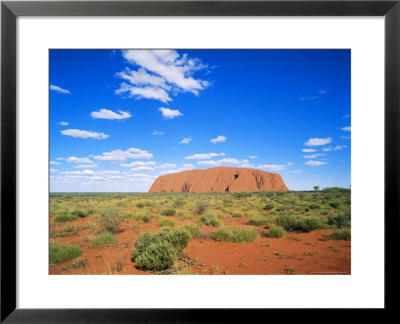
(167, 223)
(63, 218)
(210, 220)
(276, 232)
(63, 252)
(341, 235)
(235, 234)
(104, 239)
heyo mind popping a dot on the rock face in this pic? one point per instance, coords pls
(220, 179)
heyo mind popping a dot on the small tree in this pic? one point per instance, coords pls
(108, 219)
(316, 188)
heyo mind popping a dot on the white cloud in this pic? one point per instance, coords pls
(187, 166)
(109, 114)
(318, 141)
(116, 178)
(87, 173)
(346, 116)
(331, 148)
(227, 161)
(84, 134)
(64, 123)
(346, 129)
(313, 156)
(308, 150)
(138, 164)
(295, 171)
(185, 140)
(345, 137)
(253, 156)
(141, 78)
(320, 92)
(169, 171)
(157, 133)
(168, 67)
(119, 155)
(54, 163)
(218, 139)
(203, 156)
(169, 113)
(246, 164)
(73, 159)
(142, 169)
(302, 98)
(167, 166)
(275, 167)
(80, 173)
(59, 89)
(144, 92)
(86, 166)
(314, 163)
(142, 175)
(53, 170)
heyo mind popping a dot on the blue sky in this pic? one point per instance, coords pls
(121, 118)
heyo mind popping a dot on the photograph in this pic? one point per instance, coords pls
(199, 161)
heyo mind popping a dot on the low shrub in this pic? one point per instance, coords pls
(210, 220)
(104, 239)
(201, 207)
(63, 252)
(185, 215)
(65, 231)
(194, 230)
(143, 218)
(314, 206)
(235, 234)
(276, 232)
(160, 250)
(64, 217)
(168, 212)
(288, 222)
(340, 220)
(109, 219)
(146, 218)
(334, 204)
(79, 213)
(236, 214)
(158, 256)
(167, 223)
(242, 194)
(228, 202)
(258, 221)
(341, 235)
(309, 224)
(269, 206)
(180, 238)
(178, 203)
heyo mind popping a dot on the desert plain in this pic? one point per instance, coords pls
(201, 233)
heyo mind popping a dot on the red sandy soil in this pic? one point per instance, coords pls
(263, 256)
(220, 179)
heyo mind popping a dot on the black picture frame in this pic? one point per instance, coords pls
(10, 10)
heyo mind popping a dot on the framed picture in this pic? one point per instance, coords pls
(142, 142)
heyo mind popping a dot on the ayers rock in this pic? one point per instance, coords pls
(220, 179)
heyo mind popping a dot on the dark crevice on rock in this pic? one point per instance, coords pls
(185, 187)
